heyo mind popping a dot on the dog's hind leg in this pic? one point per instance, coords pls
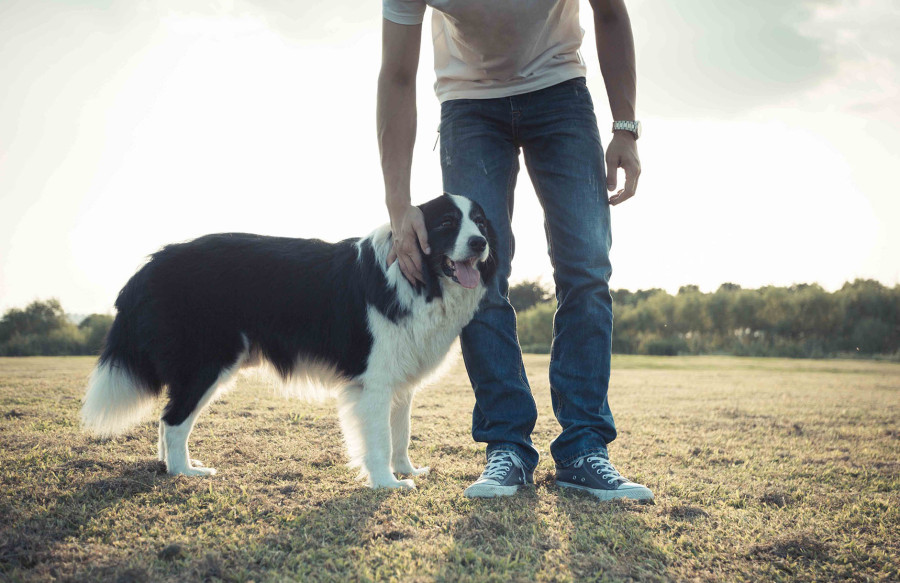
(366, 419)
(187, 399)
(188, 396)
(400, 411)
(178, 459)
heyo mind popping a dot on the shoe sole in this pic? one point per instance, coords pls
(486, 491)
(630, 493)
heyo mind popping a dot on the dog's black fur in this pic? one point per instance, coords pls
(185, 315)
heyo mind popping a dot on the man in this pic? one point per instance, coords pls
(510, 76)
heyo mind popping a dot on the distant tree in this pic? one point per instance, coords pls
(720, 312)
(528, 293)
(864, 303)
(746, 309)
(622, 297)
(535, 327)
(688, 289)
(95, 327)
(871, 336)
(42, 328)
(645, 294)
(690, 313)
(817, 313)
(38, 318)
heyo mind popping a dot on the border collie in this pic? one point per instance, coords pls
(321, 314)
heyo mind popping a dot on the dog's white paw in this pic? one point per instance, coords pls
(395, 484)
(413, 471)
(192, 472)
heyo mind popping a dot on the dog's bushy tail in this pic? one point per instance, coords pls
(115, 400)
(123, 386)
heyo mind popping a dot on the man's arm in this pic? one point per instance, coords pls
(615, 50)
(396, 121)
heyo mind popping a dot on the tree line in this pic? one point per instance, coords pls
(801, 321)
(43, 328)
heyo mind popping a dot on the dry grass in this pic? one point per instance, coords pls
(762, 469)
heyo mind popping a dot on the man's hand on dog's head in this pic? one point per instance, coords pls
(410, 239)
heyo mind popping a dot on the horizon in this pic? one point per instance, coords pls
(770, 132)
(77, 317)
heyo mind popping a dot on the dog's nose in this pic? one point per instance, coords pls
(477, 244)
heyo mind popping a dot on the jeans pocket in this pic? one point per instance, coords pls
(582, 93)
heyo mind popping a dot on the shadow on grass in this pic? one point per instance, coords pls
(520, 538)
(29, 540)
(323, 540)
(610, 540)
(498, 537)
(301, 542)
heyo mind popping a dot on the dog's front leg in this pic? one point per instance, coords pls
(400, 410)
(373, 412)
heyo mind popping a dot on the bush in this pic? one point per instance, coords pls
(43, 329)
(535, 328)
(526, 294)
(656, 346)
(94, 328)
(871, 336)
(60, 342)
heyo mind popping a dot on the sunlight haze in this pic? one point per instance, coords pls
(770, 149)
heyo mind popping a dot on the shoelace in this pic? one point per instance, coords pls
(603, 467)
(499, 464)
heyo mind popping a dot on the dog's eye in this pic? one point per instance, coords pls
(447, 223)
(480, 223)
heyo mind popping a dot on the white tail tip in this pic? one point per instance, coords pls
(114, 401)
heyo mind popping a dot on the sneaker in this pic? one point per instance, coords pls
(502, 476)
(594, 474)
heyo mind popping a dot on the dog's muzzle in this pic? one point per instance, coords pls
(464, 272)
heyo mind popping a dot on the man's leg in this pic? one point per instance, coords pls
(479, 159)
(564, 157)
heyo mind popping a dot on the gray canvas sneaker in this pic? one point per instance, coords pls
(503, 476)
(595, 474)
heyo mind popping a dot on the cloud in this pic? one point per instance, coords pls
(320, 23)
(863, 36)
(721, 59)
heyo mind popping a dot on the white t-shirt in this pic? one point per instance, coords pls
(497, 48)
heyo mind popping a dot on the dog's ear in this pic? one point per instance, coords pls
(432, 286)
(488, 269)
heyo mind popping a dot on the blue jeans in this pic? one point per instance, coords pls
(557, 130)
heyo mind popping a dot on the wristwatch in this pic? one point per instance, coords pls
(629, 126)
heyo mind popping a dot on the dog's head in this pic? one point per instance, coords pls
(462, 243)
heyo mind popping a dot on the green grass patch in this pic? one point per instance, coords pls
(763, 469)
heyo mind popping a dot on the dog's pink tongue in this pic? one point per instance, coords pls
(467, 275)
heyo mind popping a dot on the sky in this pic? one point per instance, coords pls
(770, 150)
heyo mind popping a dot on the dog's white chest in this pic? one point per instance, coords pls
(405, 351)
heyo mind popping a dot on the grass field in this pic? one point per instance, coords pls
(762, 470)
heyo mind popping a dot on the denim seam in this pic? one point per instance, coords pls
(510, 192)
(513, 170)
(540, 195)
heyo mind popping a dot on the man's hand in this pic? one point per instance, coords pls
(410, 235)
(622, 153)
